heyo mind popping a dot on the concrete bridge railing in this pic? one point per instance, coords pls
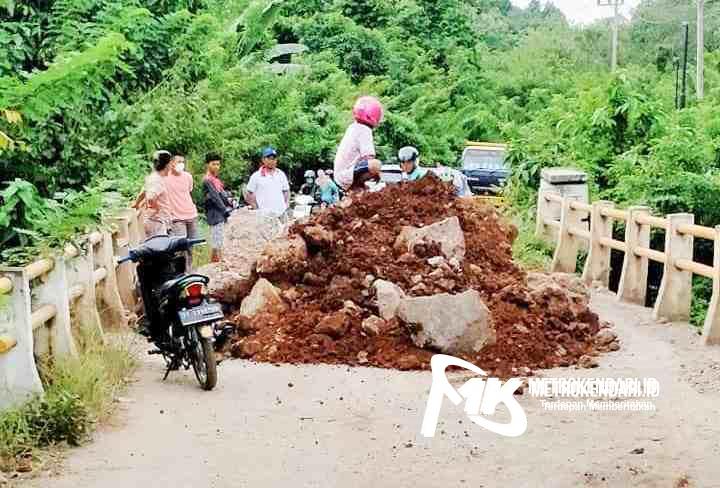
(572, 232)
(45, 305)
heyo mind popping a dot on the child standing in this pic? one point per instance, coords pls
(217, 206)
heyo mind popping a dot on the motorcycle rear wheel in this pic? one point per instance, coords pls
(203, 362)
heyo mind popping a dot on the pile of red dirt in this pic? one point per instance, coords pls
(350, 245)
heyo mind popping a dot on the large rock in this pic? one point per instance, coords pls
(374, 325)
(263, 297)
(454, 324)
(246, 234)
(319, 237)
(334, 325)
(283, 256)
(227, 285)
(447, 234)
(387, 298)
(559, 293)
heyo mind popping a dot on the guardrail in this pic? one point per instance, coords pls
(49, 301)
(673, 303)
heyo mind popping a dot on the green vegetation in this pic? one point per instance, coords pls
(78, 393)
(88, 90)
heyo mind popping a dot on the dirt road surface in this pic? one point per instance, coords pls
(319, 426)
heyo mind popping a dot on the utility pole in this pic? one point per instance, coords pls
(676, 64)
(683, 94)
(615, 28)
(700, 92)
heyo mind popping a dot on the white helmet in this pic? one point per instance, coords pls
(408, 153)
(309, 174)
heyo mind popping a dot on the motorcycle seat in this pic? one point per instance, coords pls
(169, 285)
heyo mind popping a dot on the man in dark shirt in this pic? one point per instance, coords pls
(217, 205)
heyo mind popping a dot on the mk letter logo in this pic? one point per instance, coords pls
(481, 396)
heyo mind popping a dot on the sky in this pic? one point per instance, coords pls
(583, 11)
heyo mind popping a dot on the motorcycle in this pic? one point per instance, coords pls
(179, 317)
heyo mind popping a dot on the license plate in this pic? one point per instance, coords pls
(473, 179)
(209, 312)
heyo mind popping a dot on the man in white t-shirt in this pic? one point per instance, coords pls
(268, 188)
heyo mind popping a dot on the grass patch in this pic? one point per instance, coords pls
(701, 294)
(201, 254)
(530, 252)
(79, 393)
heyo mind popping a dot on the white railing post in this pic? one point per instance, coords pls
(711, 330)
(19, 378)
(544, 212)
(81, 273)
(134, 227)
(675, 296)
(113, 311)
(633, 280)
(55, 291)
(123, 273)
(597, 265)
(568, 245)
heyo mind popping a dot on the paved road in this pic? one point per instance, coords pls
(318, 426)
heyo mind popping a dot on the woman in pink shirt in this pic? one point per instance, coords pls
(157, 213)
(355, 161)
(179, 184)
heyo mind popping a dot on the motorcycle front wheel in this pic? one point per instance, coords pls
(203, 361)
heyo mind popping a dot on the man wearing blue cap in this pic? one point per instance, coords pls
(268, 188)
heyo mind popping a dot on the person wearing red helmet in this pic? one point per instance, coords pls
(355, 161)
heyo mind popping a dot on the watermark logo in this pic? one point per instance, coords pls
(482, 396)
(596, 394)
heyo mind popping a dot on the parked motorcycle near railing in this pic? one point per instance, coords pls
(179, 317)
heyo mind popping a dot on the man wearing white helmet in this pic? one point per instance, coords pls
(309, 187)
(409, 158)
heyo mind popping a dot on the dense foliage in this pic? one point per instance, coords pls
(89, 89)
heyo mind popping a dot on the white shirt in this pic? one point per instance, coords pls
(356, 145)
(268, 188)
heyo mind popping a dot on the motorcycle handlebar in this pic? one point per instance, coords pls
(132, 255)
(195, 242)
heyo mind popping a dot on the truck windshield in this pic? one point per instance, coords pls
(478, 159)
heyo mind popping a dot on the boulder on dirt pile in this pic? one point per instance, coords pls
(605, 337)
(387, 298)
(454, 324)
(264, 297)
(246, 234)
(447, 234)
(283, 256)
(374, 325)
(228, 285)
(319, 237)
(559, 293)
(334, 325)
(607, 340)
